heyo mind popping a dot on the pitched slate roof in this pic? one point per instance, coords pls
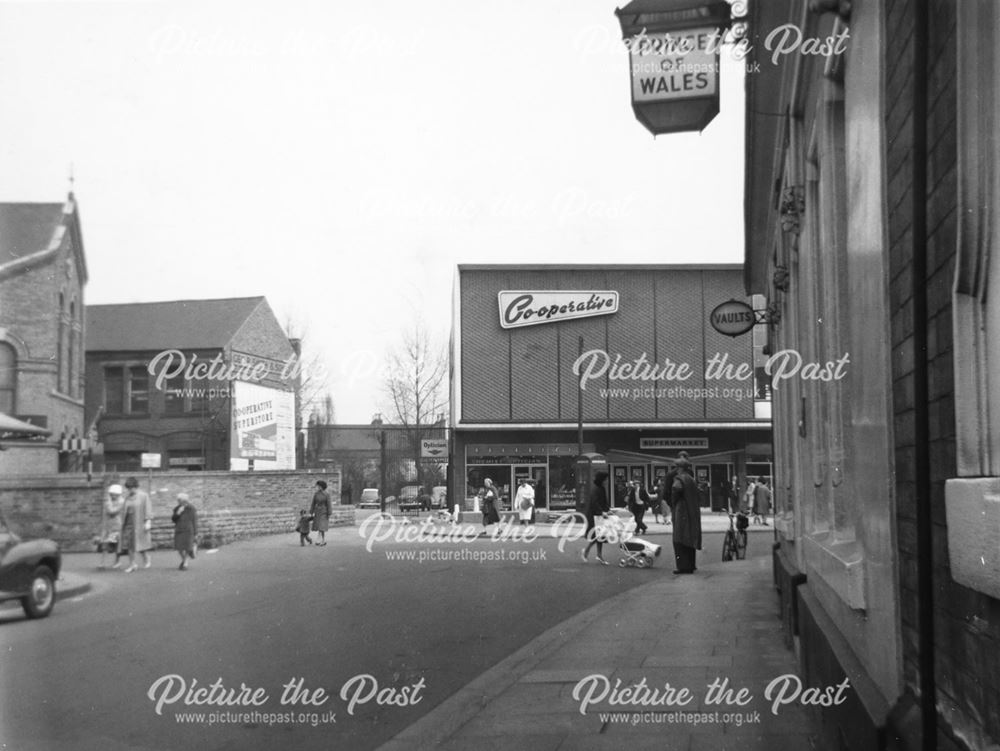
(27, 228)
(178, 324)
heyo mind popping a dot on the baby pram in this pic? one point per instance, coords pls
(636, 552)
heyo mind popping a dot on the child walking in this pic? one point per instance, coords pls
(305, 519)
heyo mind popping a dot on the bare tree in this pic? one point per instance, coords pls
(416, 373)
(309, 377)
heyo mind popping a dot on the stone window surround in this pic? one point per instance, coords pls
(972, 499)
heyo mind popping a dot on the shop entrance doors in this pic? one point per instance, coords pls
(621, 475)
(535, 472)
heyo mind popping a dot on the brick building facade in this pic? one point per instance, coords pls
(43, 273)
(873, 197)
(206, 384)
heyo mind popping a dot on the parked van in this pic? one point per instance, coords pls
(370, 498)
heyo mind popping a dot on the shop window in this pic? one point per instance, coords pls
(138, 390)
(114, 391)
(122, 461)
(500, 475)
(972, 499)
(562, 482)
(8, 378)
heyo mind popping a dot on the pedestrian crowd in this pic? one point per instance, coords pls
(676, 501)
(127, 523)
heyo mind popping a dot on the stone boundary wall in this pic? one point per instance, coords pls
(231, 505)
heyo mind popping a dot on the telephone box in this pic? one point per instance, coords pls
(587, 466)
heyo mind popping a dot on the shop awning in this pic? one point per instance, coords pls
(635, 457)
(11, 425)
(626, 457)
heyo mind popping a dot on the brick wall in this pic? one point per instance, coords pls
(231, 505)
(262, 335)
(966, 637)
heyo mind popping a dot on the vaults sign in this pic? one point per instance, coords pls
(529, 308)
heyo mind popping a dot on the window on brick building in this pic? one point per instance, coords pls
(822, 265)
(199, 396)
(71, 371)
(977, 276)
(114, 391)
(61, 345)
(8, 378)
(971, 498)
(173, 397)
(138, 402)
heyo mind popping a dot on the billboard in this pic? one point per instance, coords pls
(262, 428)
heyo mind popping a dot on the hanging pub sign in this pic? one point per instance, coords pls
(674, 61)
(732, 318)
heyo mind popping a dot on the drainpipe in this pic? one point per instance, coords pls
(922, 492)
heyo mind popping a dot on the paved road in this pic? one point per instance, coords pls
(266, 612)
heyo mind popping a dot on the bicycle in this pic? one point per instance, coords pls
(734, 545)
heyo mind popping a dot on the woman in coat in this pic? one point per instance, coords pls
(185, 520)
(137, 522)
(761, 501)
(597, 505)
(686, 508)
(320, 511)
(525, 502)
(111, 525)
(491, 500)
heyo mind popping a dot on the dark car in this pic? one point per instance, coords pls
(413, 498)
(28, 571)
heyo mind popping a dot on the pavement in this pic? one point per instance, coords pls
(634, 670)
(568, 688)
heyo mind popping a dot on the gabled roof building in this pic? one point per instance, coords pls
(203, 384)
(43, 273)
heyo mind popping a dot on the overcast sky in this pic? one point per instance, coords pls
(341, 158)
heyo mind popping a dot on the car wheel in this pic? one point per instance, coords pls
(41, 597)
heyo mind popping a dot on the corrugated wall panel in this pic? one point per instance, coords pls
(534, 359)
(719, 288)
(485, 350)
(525, 374)
(679, 338)
(631, 333)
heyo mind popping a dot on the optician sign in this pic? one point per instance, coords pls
(530, 308)
(433, 448)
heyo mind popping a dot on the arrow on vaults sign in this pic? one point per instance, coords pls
(526, 308)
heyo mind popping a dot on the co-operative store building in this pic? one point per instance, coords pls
(532, 344)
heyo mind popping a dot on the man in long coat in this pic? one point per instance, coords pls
(685, 505)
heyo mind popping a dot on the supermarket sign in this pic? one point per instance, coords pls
(673, 443)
